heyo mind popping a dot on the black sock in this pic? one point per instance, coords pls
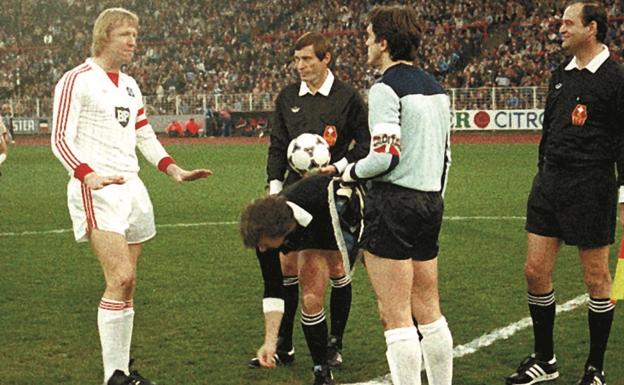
(542, 308)
(599, 317)
(315, 331)
(291, 301)
(340, 306)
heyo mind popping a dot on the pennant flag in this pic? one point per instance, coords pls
(617, 291)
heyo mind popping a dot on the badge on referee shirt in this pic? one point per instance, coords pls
(330, 134)
(579, 115)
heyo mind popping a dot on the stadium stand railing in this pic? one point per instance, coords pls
(484, 98)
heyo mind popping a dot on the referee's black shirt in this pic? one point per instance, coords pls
(342, 108)
(572, 140)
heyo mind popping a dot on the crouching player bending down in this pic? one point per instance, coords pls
(320, 218)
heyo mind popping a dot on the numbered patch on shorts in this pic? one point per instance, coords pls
(122, 114)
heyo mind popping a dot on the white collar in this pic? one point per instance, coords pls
(93, 64)
(594, 64)
(301, 216)
(323, 90)
(96, 67)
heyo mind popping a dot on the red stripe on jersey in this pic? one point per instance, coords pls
(141, 111)
(60, 144)
(140, 124)
(61, 119)
(60, 134)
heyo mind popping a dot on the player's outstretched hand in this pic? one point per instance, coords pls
(181, 175)
(328, 170)
(96, 182)
(266, 355)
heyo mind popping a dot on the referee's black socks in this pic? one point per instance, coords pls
(542, 309)
(599, 316)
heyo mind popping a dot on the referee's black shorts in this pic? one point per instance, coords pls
(401, 223)
(576, 205)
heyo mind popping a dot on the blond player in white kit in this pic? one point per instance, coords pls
(99, 120)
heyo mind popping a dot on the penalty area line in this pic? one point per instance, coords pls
(488, 339)
(229, 223)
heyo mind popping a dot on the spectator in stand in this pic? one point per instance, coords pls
(226, 121)
(191, 128)
(253, 125)
(210, 122)
(34, 48)
(242, 127)
(263, 126)
(174, 129)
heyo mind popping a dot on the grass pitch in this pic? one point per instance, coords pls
(198, 302)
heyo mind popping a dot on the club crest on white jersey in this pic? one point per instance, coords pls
(122, 114)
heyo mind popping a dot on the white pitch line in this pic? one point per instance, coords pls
(483, 218)
(61, 231)
(489, 338)
(228, 223)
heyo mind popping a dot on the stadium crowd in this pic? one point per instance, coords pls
(194, 47)
(532, 48)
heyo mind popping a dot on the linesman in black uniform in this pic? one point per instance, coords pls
(318, 104)
(315, 213)
(575, 193)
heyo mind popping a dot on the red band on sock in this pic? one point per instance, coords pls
(107, 304)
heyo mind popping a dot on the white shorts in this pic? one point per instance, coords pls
(125, 209)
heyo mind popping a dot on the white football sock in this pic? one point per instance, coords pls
(403, 355)
(115, 326)
(437, 347)
(2, 158)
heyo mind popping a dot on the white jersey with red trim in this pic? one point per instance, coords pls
(97, 125)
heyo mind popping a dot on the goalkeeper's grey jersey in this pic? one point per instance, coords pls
(409, 120)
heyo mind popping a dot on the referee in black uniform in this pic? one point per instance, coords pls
(575, 192)
(318, 104)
